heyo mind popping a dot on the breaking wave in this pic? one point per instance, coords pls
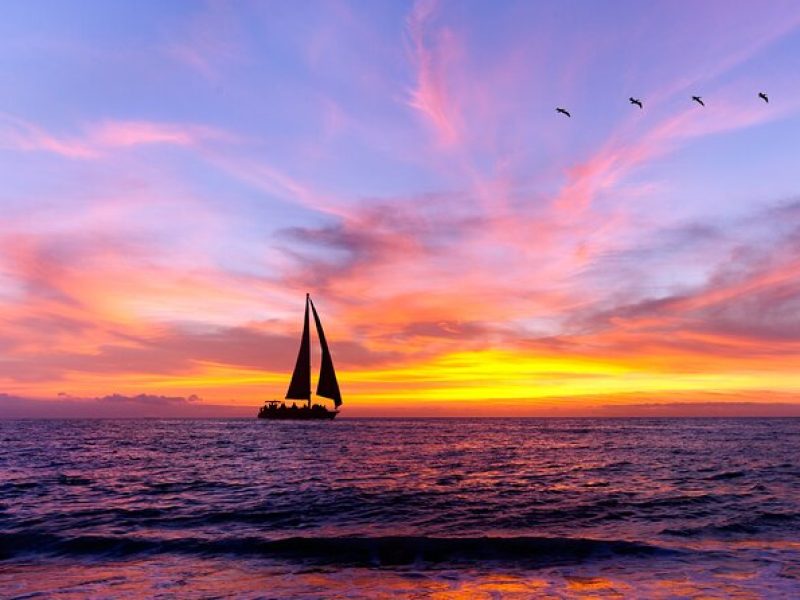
(344, 550)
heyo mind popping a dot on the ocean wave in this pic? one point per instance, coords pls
(73, 480)
(726, 475)
(749, 525)
(106, 487)
(367, 551)
(686, 500)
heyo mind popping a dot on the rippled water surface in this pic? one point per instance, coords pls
(400, 508)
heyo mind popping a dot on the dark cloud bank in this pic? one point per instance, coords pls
(153, 406)
(116, 406)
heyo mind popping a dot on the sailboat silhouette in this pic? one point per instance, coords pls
(300, 385)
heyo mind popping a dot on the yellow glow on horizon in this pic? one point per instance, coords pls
(491, 377)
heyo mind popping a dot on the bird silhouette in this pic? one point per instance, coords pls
(635, 101)
(699, 100)
(763, 96)
(563, 112)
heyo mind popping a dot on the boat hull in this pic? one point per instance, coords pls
(317, 413)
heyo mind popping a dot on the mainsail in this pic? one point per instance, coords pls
(300, 387)
(327, 386)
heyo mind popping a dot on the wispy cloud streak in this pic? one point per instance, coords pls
(433, 51)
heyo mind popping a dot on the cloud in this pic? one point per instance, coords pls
(208, 42)
(115, 406)
(20, 135)
(433, 52)
(274, 181)
(101, 138)
(121, 134)
(692, 405)
(744, 304)
(692, 408)
(145, 399)
(178, 351)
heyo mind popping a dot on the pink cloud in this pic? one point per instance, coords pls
(208, 41)
(273, 181)
(18, 134)
(114, 134)
(433, 97)
(99, 139)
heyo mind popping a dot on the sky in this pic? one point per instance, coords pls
(177, 175)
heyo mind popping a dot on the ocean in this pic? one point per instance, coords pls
(400, 508)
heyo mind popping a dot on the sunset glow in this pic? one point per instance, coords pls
(176, 177)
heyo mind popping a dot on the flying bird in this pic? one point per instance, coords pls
(699, 100)
(563, 112)
(635, 101)
(763, 96)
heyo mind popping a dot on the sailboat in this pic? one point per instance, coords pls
(300, 386)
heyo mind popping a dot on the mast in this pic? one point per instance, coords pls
(300, 386)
